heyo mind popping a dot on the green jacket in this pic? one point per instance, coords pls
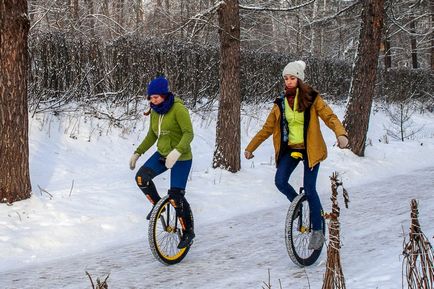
(172, 130)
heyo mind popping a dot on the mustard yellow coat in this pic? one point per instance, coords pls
(314, 142)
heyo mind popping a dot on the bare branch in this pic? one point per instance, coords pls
(198, 17)
(334, 16)
(42, 16)
(72, 186)
(402, 27)
(45, 191)
(90, 278)
(276, 9)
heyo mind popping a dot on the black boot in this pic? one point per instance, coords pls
(183, 211)
(186, 239)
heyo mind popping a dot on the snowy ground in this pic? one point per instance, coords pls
(89, 214)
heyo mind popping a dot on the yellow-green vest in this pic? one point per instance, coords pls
(295, 121)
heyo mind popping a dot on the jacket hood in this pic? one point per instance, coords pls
(178, 100)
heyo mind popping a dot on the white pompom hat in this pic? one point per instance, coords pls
(295, 68)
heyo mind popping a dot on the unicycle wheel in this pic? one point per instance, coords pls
(165, 232)
(298, 230)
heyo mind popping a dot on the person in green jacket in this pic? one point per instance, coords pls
(171, 128)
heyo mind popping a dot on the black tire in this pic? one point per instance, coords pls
(298, 231)
(165, 232)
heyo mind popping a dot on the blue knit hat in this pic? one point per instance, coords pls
(159, 85)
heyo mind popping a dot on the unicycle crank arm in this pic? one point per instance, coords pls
(163, 222)
(300, 220)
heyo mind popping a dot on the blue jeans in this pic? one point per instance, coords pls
(178, 174)
(286, 166)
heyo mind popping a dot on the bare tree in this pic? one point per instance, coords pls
(75, 10)
(356, 119)
(432, 33)
(318, 30)
(91, 11)
(401, 126)
(387, 53)
(409, 27)
(118, 8)
(138, 7)
(14, 150)
(227, 151)
(386, 47)
(413, 42)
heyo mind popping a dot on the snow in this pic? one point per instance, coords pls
(86, 207)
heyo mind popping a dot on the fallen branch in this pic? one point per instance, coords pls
(45, 191)
(99, 284)
(72, 186)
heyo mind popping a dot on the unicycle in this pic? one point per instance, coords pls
(298, 229)
(165, 232)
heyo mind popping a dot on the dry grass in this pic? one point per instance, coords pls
(334, 276)
(417, 266)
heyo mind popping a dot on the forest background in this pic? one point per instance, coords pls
(84, 57)
(108, 51)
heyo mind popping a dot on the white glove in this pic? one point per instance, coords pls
(133, 160)
(172, 157)
(342, 141)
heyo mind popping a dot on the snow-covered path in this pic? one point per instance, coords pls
(238, 252)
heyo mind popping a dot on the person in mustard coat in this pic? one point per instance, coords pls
(171, 128)
(294, 124)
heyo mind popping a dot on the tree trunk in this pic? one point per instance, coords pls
(227, 151)
(91, 12)
(119, 15)
(387, 54)
(14, 149)
(414, 62)
(356, 119)
(314, 32)
(139, 15)
(432, 35)
(299, 35)
(106, 12)
(159, 25)
(317, 38)
(75, 12)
